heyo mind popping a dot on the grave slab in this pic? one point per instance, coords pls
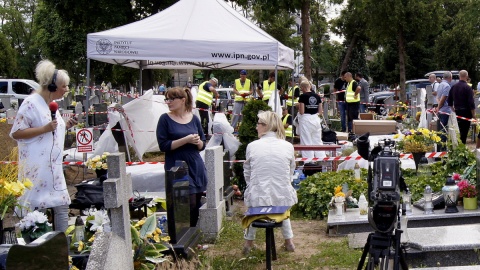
(433, 246)
(351, 222)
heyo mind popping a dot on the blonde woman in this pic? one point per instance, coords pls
(309, 109)
(268, 171)
(40, 136)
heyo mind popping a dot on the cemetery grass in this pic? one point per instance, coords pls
(314, 249)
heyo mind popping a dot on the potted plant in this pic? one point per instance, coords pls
(34, 225)
(469, 194)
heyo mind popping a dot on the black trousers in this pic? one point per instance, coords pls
(352, 113)
(463, 125)
(203, 115)
(195, 204)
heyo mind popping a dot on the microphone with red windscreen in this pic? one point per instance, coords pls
(53, 110)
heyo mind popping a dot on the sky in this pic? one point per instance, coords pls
(333, 11)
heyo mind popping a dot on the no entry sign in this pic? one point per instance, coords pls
(85, 140)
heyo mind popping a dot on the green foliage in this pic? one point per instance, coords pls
(247, 133)
(316, 191)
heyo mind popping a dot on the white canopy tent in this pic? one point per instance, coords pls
(191, 34)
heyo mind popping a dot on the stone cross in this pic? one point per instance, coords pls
(113, 250)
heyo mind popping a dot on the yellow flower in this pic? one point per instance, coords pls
(91, 239)
(337, 189)
(27, 183)
(81, 245)
(3, 120)
(156, 238)
(340, 194)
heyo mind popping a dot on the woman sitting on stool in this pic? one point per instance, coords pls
(268, 170)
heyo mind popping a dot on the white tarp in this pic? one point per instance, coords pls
(138, 121)
(191, 34)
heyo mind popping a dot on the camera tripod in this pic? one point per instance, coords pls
(381, 248)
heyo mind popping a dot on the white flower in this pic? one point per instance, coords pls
(30, 220)
(101, 219)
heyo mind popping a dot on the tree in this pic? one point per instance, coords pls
(415, 19)
(8, 62)
(17, 20)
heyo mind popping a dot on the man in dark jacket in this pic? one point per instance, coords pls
(461, 100)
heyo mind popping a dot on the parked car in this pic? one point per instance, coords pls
(225, 100)
(19, 89)
(412, 84)
(376, 101)
(439, 74)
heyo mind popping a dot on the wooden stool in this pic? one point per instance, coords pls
(270, 239)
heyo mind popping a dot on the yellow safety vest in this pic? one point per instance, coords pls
(350, 94)
(245, 89)
(289, 130)
(267, 89)
(204, 96)
(291, 99)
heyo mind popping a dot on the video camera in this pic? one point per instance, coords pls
(384, 182)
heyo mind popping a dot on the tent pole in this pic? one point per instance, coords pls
(87, 101)
(87, 106)
(276, 87)
(141, 78)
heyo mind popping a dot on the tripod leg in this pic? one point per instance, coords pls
(403, 262)
(366, 248)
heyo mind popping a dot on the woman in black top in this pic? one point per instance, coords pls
(310, 107)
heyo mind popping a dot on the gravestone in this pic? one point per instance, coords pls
(101, 116)
(430, 98)
(213, 212)
(94, 100)
(68, 100)
(50, 251)
(126, 99)
(182, 237)
(390, 104)
(113, 250)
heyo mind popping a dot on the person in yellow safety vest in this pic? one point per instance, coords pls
(266, 89)
(287, 121)
(242, 88)
(292, 96)
(206, 90)
(352, 97)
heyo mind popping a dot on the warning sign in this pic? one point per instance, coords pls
(85, 140)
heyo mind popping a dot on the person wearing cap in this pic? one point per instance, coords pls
(287, 122)
(206, 90)
(242, 88)
(266, 89)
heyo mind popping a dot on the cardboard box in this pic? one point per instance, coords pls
(365, 116)
(375, 127)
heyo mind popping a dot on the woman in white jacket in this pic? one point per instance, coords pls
(268, 171)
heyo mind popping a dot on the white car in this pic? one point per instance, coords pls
(15, 89)
(225, 100)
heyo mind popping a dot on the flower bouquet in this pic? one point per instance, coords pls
(99, 164)
(417, 141)
(11, 188)
(34, 225)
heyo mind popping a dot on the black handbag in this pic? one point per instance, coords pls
(328, 135)
(88, 194)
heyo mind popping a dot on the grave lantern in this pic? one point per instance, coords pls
(423, 167)
(450, 195)
(427, 195)
(407, 201)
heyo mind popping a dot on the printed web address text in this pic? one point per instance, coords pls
(242, 56)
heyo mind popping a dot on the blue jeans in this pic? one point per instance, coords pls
(342, 108)
(363, 108)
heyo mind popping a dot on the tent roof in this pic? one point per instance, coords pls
(191, 34)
